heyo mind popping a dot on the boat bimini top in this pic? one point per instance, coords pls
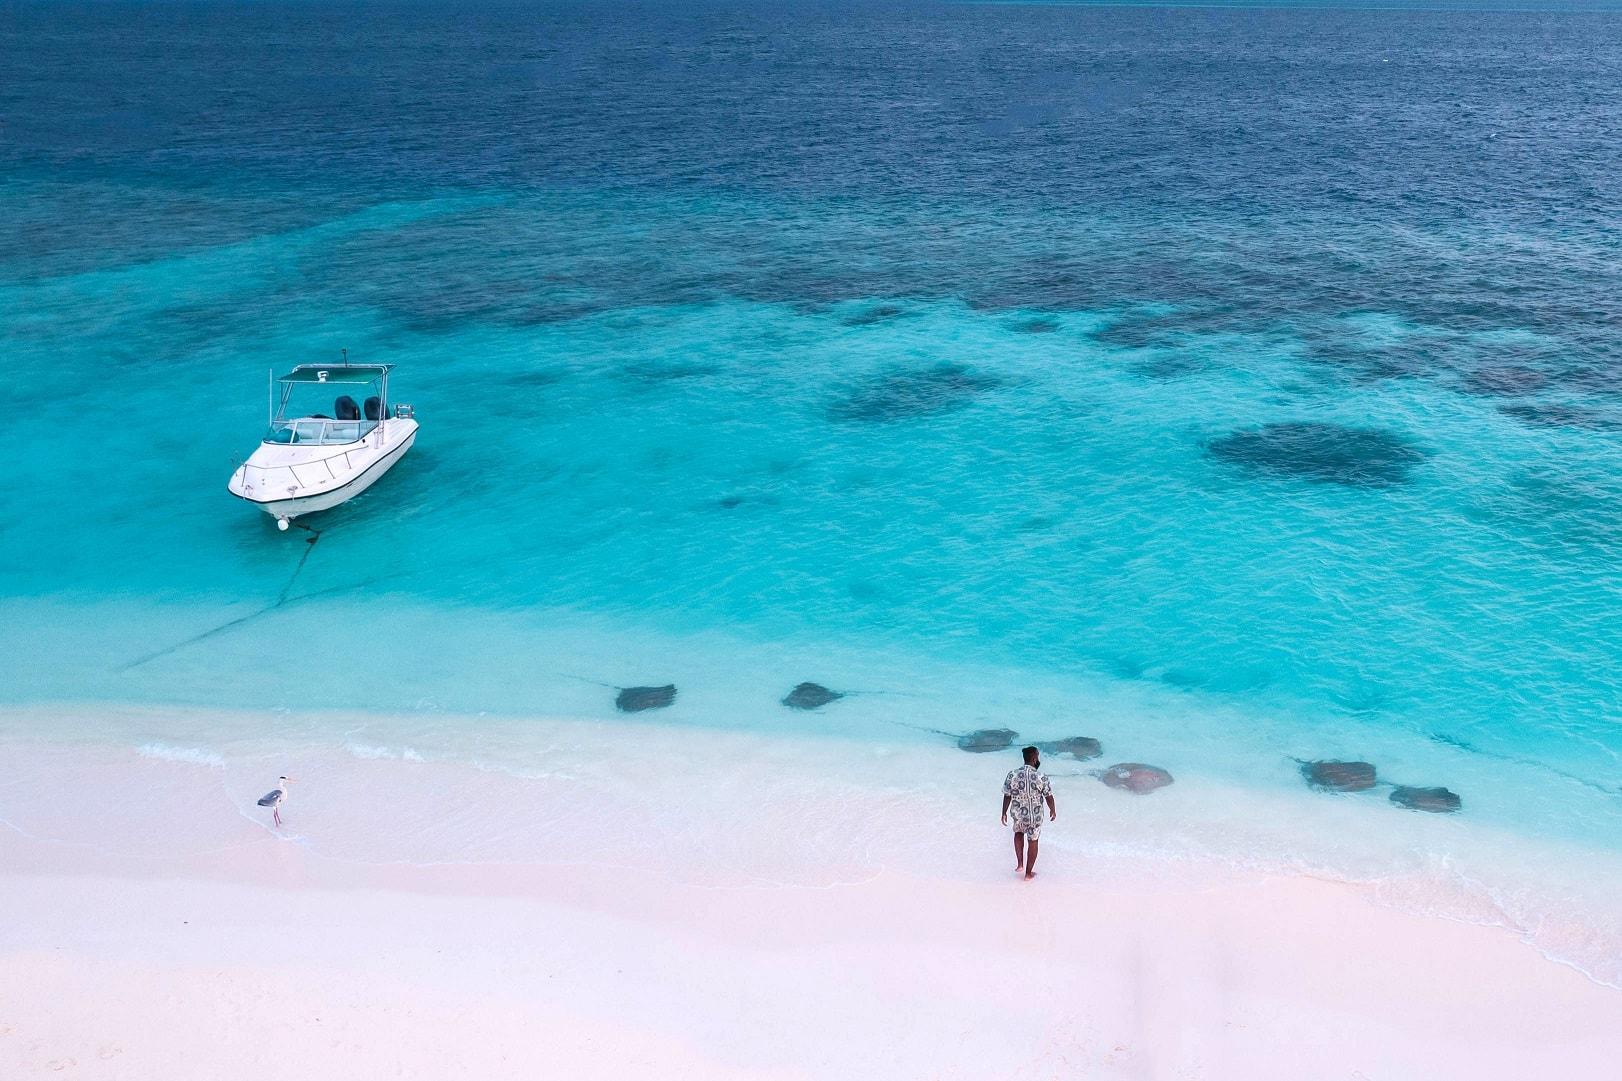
(300, 402)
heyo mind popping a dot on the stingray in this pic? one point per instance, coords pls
(1077, 747)
(637, 699)
(1135, 777)
(810, 696)
(1437, 800)
(986, 739)
(1339, 776)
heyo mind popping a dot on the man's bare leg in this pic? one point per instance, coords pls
(1019, 851)
(1030, 858)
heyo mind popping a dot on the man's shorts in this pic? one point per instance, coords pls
(1032, 831)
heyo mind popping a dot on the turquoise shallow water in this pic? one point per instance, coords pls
(1234, 387)
(1004, 487)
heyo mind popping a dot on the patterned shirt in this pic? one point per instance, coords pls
(1026, 789)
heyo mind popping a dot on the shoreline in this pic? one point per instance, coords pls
(268, 956)
(619, 898)
(686, 802)
(638, 899)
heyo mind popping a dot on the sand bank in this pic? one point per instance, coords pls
(848, 929)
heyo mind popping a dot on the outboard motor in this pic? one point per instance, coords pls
(374, 407)
(345, 408)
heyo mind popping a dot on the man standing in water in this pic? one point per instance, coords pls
(1023, 792)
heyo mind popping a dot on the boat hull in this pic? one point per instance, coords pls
(341, 489)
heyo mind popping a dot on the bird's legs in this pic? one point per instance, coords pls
(276, 814)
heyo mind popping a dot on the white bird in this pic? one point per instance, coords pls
(274, 799)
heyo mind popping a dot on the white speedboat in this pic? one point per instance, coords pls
(311, 461)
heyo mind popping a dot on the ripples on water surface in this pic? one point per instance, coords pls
(1261, 366)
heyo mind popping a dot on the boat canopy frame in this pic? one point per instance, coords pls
(337, 373)
(345, 374)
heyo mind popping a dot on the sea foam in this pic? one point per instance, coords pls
(173, 753)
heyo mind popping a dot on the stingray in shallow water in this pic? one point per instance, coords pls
(1339, 776)
(1135, 777)
(1437, 800)
(637, 699)
(810, 696)
(986, 739)
(1077, 747)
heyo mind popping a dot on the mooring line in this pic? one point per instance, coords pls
(281, 600)
(309, 546)
(211, 632)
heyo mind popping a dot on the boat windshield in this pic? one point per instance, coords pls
(313, 405)
(319, 431)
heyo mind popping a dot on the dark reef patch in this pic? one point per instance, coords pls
(438, 273)
(1370, 364)
(986, 739)
(1506, 381)
(1148, 330)
(1053, 282)
(1037, 326)
(1546, 415)
(905, 395)
(637, 699)
(1347, 351)
(1435, 800)
(1137, 333)
(879, 313)
(544, 313)
(1327, 453)
(810, 696)
(1169, 366)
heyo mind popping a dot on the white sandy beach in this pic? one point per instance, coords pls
(844, 931)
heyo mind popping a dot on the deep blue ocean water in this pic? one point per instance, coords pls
(1257, 368)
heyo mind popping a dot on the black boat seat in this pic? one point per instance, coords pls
(345, 408)
(374, 406)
